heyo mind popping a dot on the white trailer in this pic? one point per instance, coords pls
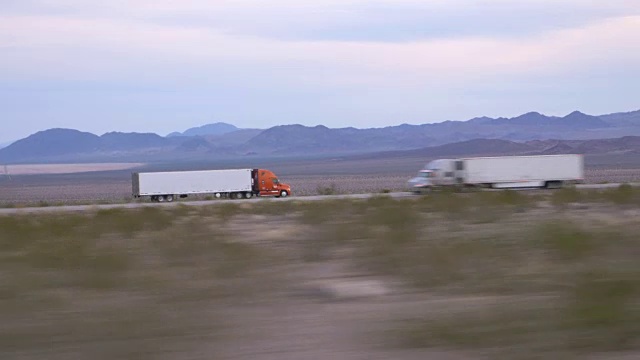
(164, 186)
(521, 171)
(549, 171)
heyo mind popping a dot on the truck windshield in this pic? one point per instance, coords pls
(275, 180)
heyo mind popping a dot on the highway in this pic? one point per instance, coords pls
(395, 195)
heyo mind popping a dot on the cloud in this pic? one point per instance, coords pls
(376, 60)
(60, 48)
(346, 20)
(401, 21)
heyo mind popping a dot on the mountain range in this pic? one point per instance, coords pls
(218, 128)
(529, 132)
(497, 147)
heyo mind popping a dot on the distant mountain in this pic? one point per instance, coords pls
(481, 135)
(52, 142)
(474, 147)
(493, 147)
(622, 145)
(631, 118)
(235, 138)
(579, 120)
(218, 128)
(195, 144)
(575, 120)
(529, 126)
(529, 119)
(68, 144)
(484, 147)
(321, 139)
(4, 145)
(131, 141)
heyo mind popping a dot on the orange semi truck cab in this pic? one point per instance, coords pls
(266, 183)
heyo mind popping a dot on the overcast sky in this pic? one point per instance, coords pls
(162, 65)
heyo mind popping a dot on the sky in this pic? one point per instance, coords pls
(168, 65)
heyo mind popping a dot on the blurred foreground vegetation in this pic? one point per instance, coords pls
(561, 272)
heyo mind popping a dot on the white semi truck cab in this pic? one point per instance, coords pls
(436, 173)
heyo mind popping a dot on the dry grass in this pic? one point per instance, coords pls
(118, 283)
(161, 282)
(576, 282)
(586, 274)
(624, 194)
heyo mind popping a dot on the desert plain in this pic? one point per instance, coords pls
(487, 275)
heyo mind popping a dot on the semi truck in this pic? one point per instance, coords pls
(166, 186)
(531, 171)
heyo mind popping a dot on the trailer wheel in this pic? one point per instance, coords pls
(248, 195)
(160, 198)
(168, 198)
(553, 184)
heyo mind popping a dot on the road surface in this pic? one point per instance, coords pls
(395, 195)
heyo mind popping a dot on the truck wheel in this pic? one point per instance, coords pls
(553, 184)
(283, 193)
(248, 195)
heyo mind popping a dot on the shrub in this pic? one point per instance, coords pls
(226, 211)
(623, 194)
(327, 190)
(601, 308)
(512, 197)
(566, 196)
(445, 201)
(130, 221)
(565, 240)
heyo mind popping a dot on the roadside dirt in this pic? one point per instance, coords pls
(323, 311)
(325, 308)
(40, 169)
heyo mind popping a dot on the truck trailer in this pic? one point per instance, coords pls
(228, 183)
(532, 171)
